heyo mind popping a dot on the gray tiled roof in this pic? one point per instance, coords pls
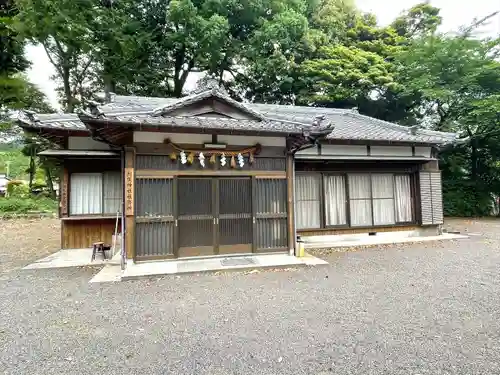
(190, 99)
(201, 122)
(348, 124)
(65, 121)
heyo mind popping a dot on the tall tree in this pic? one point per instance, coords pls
(173, 39)
(12, 58)
(456, 79)
(15, 90)
(419, 21)
(32, 145)
(65, 29)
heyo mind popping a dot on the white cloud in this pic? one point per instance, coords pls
(454, 16)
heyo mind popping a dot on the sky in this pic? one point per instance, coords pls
(454, 16)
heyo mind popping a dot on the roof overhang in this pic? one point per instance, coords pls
(418, 159)
(102, 124)
(79, 154)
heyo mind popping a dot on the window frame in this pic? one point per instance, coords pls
(348, 225)
(102, 213)
(321, 196)
(322, 201)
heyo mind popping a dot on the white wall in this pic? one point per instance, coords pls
(236, 140)
(308, 151)
(241, 140)
(329, 151)
(344, 150)
(391, 151)
(157, 137)
(423, 151)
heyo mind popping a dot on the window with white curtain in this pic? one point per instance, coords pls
(335, 200)
(404, 206)
(354, 199)
(95, 193)
(383, 199)
(307, 201)
(360, 202)
(112, 192)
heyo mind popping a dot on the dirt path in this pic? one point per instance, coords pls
(25, 240)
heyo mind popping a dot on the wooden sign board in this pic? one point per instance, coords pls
(63, 203)
(129, 191)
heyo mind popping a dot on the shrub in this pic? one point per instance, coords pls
(463, 198)
(15, 187)
(19, 205)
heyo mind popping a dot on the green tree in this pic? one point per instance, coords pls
(32, 146)
(344, 77)
(421, 20)
(12, 58)
(15, 90)
(173, 39)
(65, 29)
(456, 81)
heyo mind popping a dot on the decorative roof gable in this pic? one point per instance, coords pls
(190, 106)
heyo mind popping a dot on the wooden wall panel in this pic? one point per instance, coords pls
(79, 234)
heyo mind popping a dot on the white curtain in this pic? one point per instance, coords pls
(335, 200)
(404, 213)
(112, 192)
(85, 193)
(307, 201)
(360, 200)
(383, 199)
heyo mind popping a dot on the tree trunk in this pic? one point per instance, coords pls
(474, 171)
(50, 184)
(68, 96)
(32, 170)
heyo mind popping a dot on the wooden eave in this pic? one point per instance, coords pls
(57, 136)
(373, 142)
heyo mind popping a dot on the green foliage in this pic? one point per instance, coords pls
(421, 20)
(12, 58)
(14, 162)
(342, 76)
(462, 200)
(15, 91)
(65, 28)
(17, 189)
(16, 205)
(32, 146)
(455, 81)
(152, 48)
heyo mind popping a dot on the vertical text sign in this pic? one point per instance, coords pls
(129, 191)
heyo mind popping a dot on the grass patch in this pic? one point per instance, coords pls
(19, 205)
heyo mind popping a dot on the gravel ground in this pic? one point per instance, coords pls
(420, 309)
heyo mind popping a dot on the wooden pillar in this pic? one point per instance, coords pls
(290, 174)
(129, 188)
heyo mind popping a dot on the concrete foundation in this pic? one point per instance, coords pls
(422, 234)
